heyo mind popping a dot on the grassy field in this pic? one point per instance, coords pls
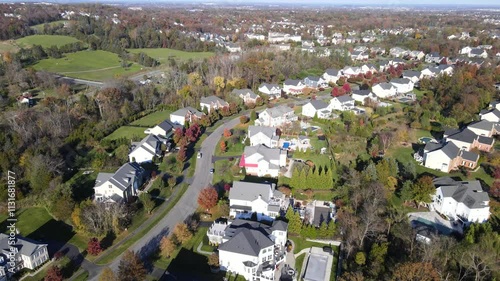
(39, 27)
(152, 119)
(45, 40)
(8, 46)
(90, 65)
(163, 54)
(128, 132)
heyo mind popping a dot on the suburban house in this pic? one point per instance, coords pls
(461, 200)
(492, 115)
(384, 90)
(232, 47)
(359, 55)
(332, 75)
(271, 90)
(186, 114)
(145, 150)
(468, 140)
(484, 128)
(247, 95)
(250, 249)
(342, 103)
(351, 71)
(434, 71)
(212, 102)
(365, 68)
(362, 95)
(398, 52)
(316, 108)
(314, 82)
(293, 87)
(416, 55)
(164, 130)
(261, 160)
(448, 157)
(413, 75)
(433, 57)
(24, 252)
(477, 53)
(403, 85)
(263, 135)
(120, 186)
(318, 212)
(276, 116)
(261, 198)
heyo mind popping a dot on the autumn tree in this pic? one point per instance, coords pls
(147, 202)
(94, 247)
(244, 119)
(54, 274)
(223, 146)
(181, 155)
(422, 271)
(182, 233)
(213, 260)
(227, 133)
(108, 275)
(131, 267)
(167, 246)
(207, 198)
(178, 134)
(423, 189)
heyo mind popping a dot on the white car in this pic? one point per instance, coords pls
(199, 155)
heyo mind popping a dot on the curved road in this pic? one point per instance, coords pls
(186, 205)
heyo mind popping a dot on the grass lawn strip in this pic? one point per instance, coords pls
(163, 54)
(45, 40)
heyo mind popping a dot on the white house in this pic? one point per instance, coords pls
(484, 128)
(271, 90)
(448, 157)
(461, 200)
(403, 85)
(490, 115)
(232, 47)
(293, 87)
(212, 103)
(365, 68)
(183, 115)
(342, 103)
(24, 253)
(261, 198)
(247, 95)
(250, 249)
(276, 116)
(120, 186)
(263, 161)
(263, 135)
(314, 82)
(351, 71)
(384, 90)
(332, 75)
(145, 150)
(433, 58)
(316, 108)
(164, 130)
(398, 52)
(416, 55)
(413, 75)
(359, 55)
(362, 95)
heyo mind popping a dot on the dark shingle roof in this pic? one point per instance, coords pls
(332, 72)
(451, 150)
(361, 92)
(483, 125)
(344, 98)
(318, 104)
(469, 156)
(469, 193)
(466, 135)
(485, 140)
(247, 242)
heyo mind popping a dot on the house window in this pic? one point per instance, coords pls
(109, 186)
(463, 162)
(263, 259)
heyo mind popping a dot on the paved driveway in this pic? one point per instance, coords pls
(187, 204)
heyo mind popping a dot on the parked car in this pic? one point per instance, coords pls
(199, 155)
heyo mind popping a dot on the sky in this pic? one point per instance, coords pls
(355, 2)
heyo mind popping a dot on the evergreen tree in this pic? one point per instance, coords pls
(323, 230)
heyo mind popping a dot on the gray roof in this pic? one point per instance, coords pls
(466, 135)
(385, 86)
(152, 140)
(250, 191)
(312, 78)
(213, 99)
(485, 140)
(434, 54)
(267, 131)
(468, 192)
(124, 176)
(430, 146)
(184, 111)
(267, 153)
(451, 150)
(24, 245)
(332, 72)
(318, 104)
(344, 98)
(245, 92)
(450, 131)
(292, 82)
(469, 156)
(483, 125)
(362, 92)
(477, 51)
(321, 214)
(411, 73)
(269, 85)
(400, 81)
(278, 111)
(247, 242)
(279, 225)
(167, 125)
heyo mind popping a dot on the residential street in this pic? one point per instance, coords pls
(187, 204)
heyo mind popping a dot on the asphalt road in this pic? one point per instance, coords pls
(186, 205)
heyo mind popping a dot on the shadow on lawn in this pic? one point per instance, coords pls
(181, 268)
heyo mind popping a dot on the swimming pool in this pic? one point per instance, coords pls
(425, 139)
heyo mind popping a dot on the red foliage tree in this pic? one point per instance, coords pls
(227, 187)
(223, 146)
(335, 92)
(227, 133)
(94, 247)
(368, 75)
(193, 132)
(495, 190)
(178, 134)
(181, 155)
(496, 173)
(346, 88)
(208, 197)
(53, 274)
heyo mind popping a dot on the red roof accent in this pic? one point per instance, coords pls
(244, 164)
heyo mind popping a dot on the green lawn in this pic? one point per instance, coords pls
(30, 220)
(152, 119)
(92, 65)
(39, 27)
(128, 132)
(223, 172)
(45, 40)
(163, 54)
(298, 264)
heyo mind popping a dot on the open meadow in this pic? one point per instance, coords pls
(90, 65)
(39, 27)
(163, 54)
(45, 41)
